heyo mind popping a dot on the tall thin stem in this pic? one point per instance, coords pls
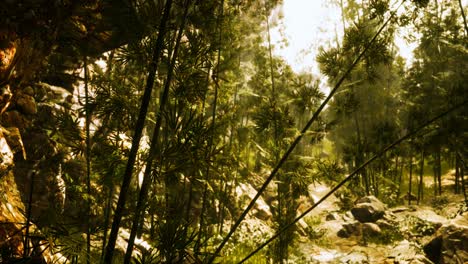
(213, 123)
(137, 135)
(28, 215)
(147, 179)
(271, 59)
(464, 17)
(88, 161)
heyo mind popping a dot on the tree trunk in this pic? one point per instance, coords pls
(457, 174)
(410, 179)
(107, 215)
(28, 215)
(360, 156)
(395, 173)
(88, 161)
(434, 169)
(462, 176)
(400, 175)
(421, 180)
(439, 171)
(203, 202)
(464, 17)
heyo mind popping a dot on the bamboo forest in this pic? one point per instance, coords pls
(178, 131)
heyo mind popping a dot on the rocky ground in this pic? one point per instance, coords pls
(371, 232)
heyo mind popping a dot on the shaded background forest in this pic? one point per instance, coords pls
(154, 117)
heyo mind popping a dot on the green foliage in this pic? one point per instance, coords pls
(240, 251)
(345, 199)
(419, 227)
(385, 237)
(439, 202)
(150, 256)
(314, 231)
(328, 170)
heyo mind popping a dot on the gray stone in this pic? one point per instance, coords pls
(369, 199)
(350, 229)
(399, 209)
(5, 98)
(6, 155)
(14, 140)
(332, 216)
(368, 209)
(27, 104)
(370, 229)
(355, 257)
(366, 213)
(348, 216)
(408, 252)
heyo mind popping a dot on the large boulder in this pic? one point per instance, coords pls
(450, 243)
(368, 209)
(407, 252)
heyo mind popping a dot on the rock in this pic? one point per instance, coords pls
(342, 233)
(245, 193)
(13, 138)
(408, 252)
(27, 104)
(369, 199)
(316, 192)
(332, 216)
(7, 54)
(428, 215)
(325, 256)
(388, 221)
(44, 92)
(355, 257)
(370, 229)
(389, 216)
(368, 209)
(15, 119)
(348, 216)
(350, 229)
(384, 224)
(6, 155)
(262, 213)
(302, 227)
(450, 243)
(399, 209)
(433, 249)
(409, 196)
(5, 96)
(29, 91)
